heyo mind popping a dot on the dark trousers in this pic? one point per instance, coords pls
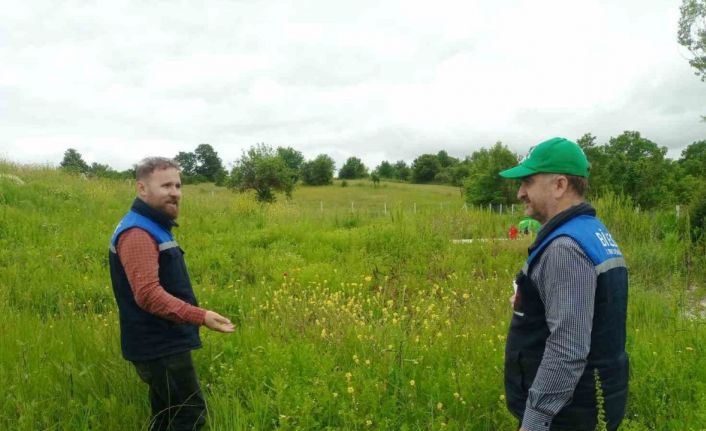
(175, 395)
(610, 428)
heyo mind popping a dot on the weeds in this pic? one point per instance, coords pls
(338, 310)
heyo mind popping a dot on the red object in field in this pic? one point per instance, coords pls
(512, 233)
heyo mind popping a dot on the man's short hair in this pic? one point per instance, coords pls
(578, 184)
(150, 164)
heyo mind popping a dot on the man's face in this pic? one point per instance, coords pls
(537, 193)
(162, 191)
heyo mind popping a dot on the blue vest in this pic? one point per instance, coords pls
(529, 331)
(145, 336)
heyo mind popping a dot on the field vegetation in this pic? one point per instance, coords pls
(354, 308)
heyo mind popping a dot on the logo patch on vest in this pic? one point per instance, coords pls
(609, 245)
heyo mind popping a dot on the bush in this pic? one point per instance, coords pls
(697, 214)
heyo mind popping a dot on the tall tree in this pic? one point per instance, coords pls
(385, 170)
(262, 170)
(484, 184)
(697, 211)
(637, 167)
(73, 162)
(598, 180)
(293, 159)
(209, 164)
(690, 179)
(318, 172)
(187, 162)
(402, 171)
(425, 168)
(692, 33)
(101, 170)
(459, 172)
(445, 160)
(128, 174)
(693, 159)
(353, 168)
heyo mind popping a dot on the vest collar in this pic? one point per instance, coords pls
(581, 209)
(142, 208)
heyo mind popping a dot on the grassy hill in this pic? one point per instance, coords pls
(349, 316)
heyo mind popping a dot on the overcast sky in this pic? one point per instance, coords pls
(381, 80)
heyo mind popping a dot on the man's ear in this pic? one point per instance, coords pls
(140, 187)
(562, 184)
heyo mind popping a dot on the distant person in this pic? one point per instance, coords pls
(159, 315)
(528, 226)
(512, 233)
(570, 308)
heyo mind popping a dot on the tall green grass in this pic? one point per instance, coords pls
(362, 317)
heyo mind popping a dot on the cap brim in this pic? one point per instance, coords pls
(518, 171)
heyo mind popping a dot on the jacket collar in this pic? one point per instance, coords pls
(142, 208)
(577, 210)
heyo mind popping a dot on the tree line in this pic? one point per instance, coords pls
(628, 165)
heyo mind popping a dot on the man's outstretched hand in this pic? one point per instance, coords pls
(216, 322)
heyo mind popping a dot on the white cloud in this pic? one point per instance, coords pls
(378, 80)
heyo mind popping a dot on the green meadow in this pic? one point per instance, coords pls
(354, 309)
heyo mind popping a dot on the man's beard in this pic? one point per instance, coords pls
(171, 209)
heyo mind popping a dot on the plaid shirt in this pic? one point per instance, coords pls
(139, 254)
(566, 281)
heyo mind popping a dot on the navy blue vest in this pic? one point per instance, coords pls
(144, 336)
(529, 331)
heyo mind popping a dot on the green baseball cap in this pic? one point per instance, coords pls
(554, 156)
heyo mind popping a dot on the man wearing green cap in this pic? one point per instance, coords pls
(568, 326)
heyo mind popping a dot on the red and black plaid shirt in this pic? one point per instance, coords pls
(139, 254)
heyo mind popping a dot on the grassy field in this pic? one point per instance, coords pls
(349, 316)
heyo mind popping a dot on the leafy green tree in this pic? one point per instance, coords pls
(637, 167)
(385, 170)
(689, 176)
(443, 176)
(445, 160)
(484, 185)
(73, 162)
(459, 172)
(189, 166)
(128, 174)
(693, 159)
(353, 168)
(262, 170)
(188, 163)
(692, 33)
(598, 180)
(447, 172)
(680, 187)
(402, 171)
(209, 165)
(103, 171)
(293, 159)
(425, 168)
(318, 172)
(587, 142)
(697, 213)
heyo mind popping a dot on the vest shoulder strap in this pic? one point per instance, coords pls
(591, 235)
(132, 219)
